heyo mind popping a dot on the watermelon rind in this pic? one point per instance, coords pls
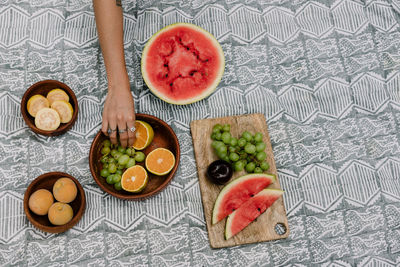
(231, 185)
(206, 93)
(229, 221)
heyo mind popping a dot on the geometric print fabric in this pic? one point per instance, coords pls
(326, 74)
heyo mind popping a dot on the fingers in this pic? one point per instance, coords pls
(120, 125)
(104, 127)
(118, 114)
(113, 136)
(131, 135)
(123, 136)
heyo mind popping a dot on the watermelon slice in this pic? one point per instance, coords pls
(250, 210)
(239, 191)
(182, 63)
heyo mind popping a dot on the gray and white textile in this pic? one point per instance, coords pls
(326, 74)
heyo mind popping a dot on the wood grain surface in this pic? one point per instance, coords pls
(263, 229)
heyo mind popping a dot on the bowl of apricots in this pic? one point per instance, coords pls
(54, 202)
(49, 107)
(140, 171)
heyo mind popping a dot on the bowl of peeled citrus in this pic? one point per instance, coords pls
(54, 202)
(49, 107)
(140, 171)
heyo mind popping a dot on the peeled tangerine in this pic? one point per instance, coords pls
(47, 119)
(40, 201)
(57, 94)
(64, 109)
(60, 213)
(36, 103)
(64, 190)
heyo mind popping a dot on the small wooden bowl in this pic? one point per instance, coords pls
(164, 137)
(46, 181)
(42, 88)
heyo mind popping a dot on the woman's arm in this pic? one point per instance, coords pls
(118, 109)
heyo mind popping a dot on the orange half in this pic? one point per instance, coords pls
(144, 135)
(134, 179)
(160, 161)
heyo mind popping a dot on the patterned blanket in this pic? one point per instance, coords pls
(326, 74)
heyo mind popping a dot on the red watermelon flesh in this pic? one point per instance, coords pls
(250, 210)
(237, 192)
(182, 63)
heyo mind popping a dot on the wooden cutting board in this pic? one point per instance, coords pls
(267, 225)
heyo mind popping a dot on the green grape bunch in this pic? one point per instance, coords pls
(115, 160)
(245, 153)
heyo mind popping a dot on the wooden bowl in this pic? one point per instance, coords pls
(42, 88)
(164, 137)
(46, 181)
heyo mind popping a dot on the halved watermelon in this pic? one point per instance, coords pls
(250, 210)
(239, 191)
(182, 63)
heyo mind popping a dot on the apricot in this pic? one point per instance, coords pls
(64, 190)
(60, 213)
(40, 201)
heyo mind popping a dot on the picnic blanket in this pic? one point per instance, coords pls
(326, 76)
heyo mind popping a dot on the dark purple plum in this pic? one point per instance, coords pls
(219, 172)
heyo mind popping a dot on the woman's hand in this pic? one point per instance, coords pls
(119, 114)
